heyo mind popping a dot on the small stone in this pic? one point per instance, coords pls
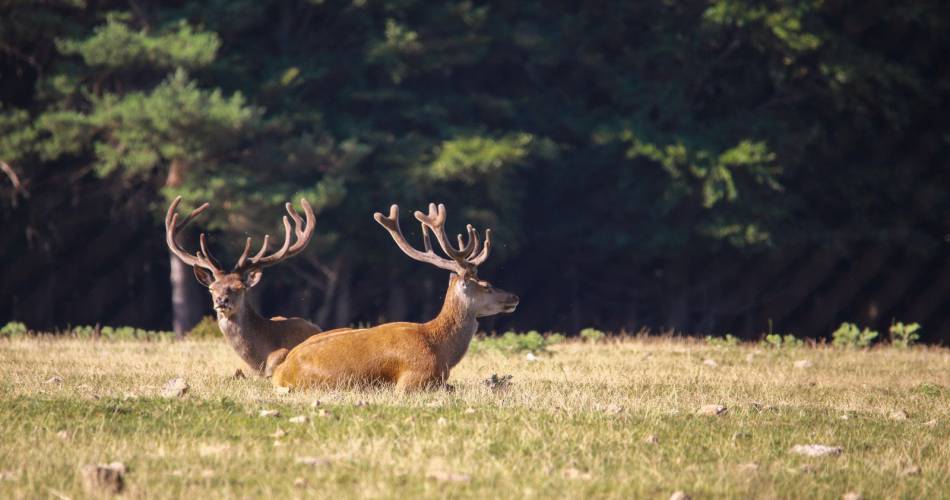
(496, 383)
(469, 411)
(207, 474)
(845, 417)
(852, 495)
(315, 403)
(211, 449)
(741, 435)
(442, 422)
(651, 439)
(750, 358)
(299, 419)
(679, 495)
(55, 379)
(710, 362)
(931, 423)
(360, 404)
(448, 477)
(7, 475)
(278, 443)
(323, 413)
(803, 363)
(816, 450)
(613, 409)
(749, 467)
(531, 357)
(313, 461)
(300, 482)
(63, 434)
(574, 473)
(101, 479)
(713, 410)
(910, 470)
(269, 413)
(279, 433)
(898, 415)
(281, 390)
(238, 375)
(175, 388)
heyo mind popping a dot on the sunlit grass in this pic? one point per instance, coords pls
(571, 424)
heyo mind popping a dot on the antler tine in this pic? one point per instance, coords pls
(204, 251)
(435, 219)
(173, 228)
(247, 250)
(480, 258)
(303, 230)
(391, 224)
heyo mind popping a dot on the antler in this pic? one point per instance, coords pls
(303, 230)
(461, 259)
(172, 228)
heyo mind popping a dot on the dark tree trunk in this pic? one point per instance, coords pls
(185, 309)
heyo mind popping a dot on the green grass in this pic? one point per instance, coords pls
(571, 424)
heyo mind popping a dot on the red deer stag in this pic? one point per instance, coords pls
(409, 355)
(262, 343)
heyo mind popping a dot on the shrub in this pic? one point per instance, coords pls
(207, 328)
(779, 341)
(728, 340)
(513, 342)
(904, 336)
(117, 333)
(592, 335)
(13, 329)
(849, 335)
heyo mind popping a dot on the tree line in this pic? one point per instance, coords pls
(636, 161)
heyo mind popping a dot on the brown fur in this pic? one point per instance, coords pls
(409, 355)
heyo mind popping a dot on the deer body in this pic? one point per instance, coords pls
(262, 343)
(409, 355)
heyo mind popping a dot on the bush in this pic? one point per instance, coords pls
(207, 328)
(13, 329)
(513, 342)
(117, 333)
(904, 336)
(848, 335)
(778, 341)
(592, 335)
(728, 340)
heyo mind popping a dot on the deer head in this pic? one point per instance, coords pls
(478, 295)
(228, 287)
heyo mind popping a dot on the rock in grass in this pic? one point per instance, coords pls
(816, 450)
(175, 388)
(713, 410)
(55, 379)
(803, 363)
(313, 461)
(679, 495)
(910, 470)
(299, 419)
(496, 383)
(269, 413)
(281, 390)
(852, 495)
(898, 415)
(651, 439)
(749, 467)
(300, 482)
(448, 477)
(575, 473)
(100, 479)
(931, 423)
(710, 362)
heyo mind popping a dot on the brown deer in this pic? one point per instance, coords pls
(261, 343)
(409, 355)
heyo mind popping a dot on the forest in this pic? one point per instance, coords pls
(704, 167)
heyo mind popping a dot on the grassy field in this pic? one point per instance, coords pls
(611, 420)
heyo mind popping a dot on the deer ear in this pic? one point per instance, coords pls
(203, 275)
(252, 277)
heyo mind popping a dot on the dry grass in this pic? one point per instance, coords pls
(570, 425)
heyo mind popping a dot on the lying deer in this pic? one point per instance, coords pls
(409, 355)
(261, 343)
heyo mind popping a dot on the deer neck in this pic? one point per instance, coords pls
(247, 333)
(452, 330)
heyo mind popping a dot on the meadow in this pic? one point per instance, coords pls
(616, 418)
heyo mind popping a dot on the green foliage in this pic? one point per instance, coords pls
(205, 329)
(472, 158)
(116, 45)
(513, 342)
(728, 340)
(592, 335)
(904, 336)
(849, 335)
(118, 333)
(13, 329)
(779, 341)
